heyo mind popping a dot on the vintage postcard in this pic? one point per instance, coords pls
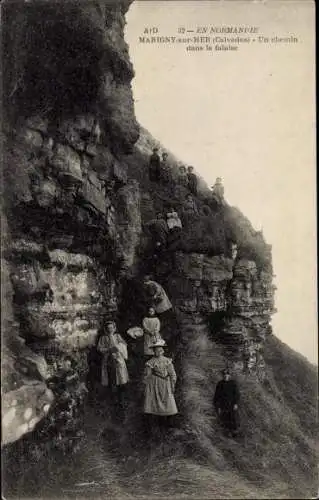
(159, 305)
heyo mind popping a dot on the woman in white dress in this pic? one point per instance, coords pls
(151, 327)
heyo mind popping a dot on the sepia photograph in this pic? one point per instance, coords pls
(159, 332)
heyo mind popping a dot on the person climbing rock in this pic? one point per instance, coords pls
(181, 185)
(114, 374)
(154, 166)
(165, 169)
(156, 295)
(218, 191)
(151, 327)
(192, 180)
(160, 380)
(226, 400)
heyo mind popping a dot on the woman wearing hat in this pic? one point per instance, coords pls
(160, 380)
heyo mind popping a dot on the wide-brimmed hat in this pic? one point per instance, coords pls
(158, 343)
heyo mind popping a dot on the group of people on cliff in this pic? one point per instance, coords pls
(159, 373)
(160, 171)
(159, 377)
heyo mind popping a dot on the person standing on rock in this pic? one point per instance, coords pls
(192, 180)
(182, 176)
(114, 374)
(189, 206)
(226, 400)
(218, 191)
(155, 166)
(160, 380)
(165, 169)
(151, 327)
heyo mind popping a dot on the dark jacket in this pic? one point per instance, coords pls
(155, 166)
(192, 182)
(158, 230)
(226, 394)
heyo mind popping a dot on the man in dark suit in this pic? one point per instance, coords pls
(155, 166)
(226, 400)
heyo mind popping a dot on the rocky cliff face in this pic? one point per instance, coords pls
(76, 202)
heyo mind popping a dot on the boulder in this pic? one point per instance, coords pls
(23, 408)
(25, 360)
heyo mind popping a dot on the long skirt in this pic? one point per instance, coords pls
(159, 397)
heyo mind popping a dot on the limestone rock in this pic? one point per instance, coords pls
(190, 265)
(22, 409)
(37, 122)
(72, 260)
(102, 162)
(119, 172)
(67, 163)
(217, 268)
(46, 192)
(31, 138)
(245, 269)
(93, 192)
(129, 220)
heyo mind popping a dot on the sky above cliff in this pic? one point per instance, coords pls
(247, 116)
